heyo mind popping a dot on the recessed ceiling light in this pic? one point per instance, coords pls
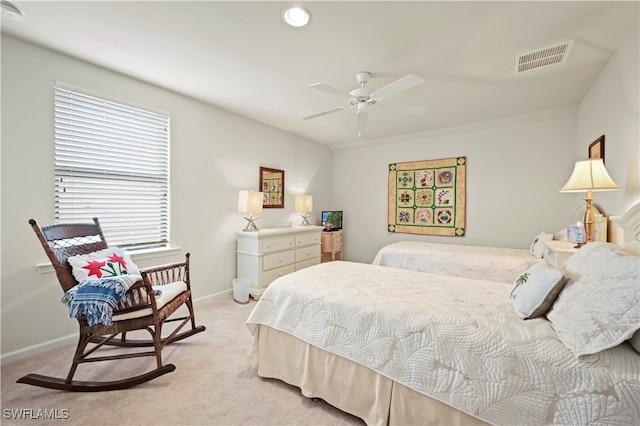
(11, 11)
(296, 16)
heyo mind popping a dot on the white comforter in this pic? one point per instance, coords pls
(484, 263)
(454, 339)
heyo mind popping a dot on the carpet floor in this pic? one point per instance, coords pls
(213, 384)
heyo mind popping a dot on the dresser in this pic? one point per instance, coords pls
(331, 245)
(264, 255)
(557, 252)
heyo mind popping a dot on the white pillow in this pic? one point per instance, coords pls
(599, 307)
(109, 262)
(535, 290)
(537, 247)
(561, 235)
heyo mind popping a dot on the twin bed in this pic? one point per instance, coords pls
(392, 343)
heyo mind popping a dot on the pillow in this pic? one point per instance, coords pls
(635, 341)
(535, 290)
(561, 235)
(599, 307)
(109, 262)
(537, 248)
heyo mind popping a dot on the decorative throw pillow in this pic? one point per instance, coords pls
(105, 263)
(599, 307)
(537, 248)
(535, 290)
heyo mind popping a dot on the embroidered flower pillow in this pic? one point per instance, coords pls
(535, 290)
(109, 262)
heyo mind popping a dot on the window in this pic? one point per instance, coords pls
(112, 162)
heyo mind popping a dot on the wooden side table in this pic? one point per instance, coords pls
(331, 245)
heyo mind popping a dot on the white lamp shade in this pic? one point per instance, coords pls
(589, 175)
(303, 203)
(249, 202)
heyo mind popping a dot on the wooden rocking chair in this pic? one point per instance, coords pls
(137, 311)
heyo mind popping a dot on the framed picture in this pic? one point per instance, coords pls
(272, 187)
(596, 149)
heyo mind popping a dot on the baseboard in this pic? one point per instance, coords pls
(72, 339)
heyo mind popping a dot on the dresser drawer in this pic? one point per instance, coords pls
(277, 260)
(307, 239)
(269, 276)
(307, 263)
(276, 244)
(306, 253)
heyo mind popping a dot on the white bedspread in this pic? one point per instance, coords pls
(453, 339)
(483, 263)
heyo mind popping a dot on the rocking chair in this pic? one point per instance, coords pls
(138, 310)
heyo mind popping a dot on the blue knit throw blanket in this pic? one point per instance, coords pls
(95, 299)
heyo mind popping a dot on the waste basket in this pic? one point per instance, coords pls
(241, 290)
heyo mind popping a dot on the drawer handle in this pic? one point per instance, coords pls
(280, 259)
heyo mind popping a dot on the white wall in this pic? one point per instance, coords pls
(214, 153)
(612, 108)
(515, 168)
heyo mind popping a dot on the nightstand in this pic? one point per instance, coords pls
(557, 252)
(331, 245)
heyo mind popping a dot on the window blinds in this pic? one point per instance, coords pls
(112, 162)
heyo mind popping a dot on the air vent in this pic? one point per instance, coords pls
(543, 58)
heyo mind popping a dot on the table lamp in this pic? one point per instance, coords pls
(589, 175)
(303, 204)
(250, 202)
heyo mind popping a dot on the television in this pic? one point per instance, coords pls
(333, 217)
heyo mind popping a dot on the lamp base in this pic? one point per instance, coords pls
(305, 220)
(251, 224)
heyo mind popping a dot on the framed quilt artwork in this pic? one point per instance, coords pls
(272, 188)
(428, 197)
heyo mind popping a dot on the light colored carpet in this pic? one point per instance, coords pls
(213, 384)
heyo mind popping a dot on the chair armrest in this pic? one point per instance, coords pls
(168, 273)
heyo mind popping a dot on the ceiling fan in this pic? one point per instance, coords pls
(363, 98)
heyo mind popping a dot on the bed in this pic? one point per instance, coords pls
(398, 346)
(487, 263)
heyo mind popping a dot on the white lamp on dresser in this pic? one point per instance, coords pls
(250, 202)
(303, 204)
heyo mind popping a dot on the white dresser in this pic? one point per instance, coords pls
(265, 255)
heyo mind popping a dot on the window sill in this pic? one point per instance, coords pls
(46, 268)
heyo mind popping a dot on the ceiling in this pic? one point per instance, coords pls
(240, 55)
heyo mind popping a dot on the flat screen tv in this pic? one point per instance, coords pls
(334, 217)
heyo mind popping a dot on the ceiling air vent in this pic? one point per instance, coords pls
(543, 58)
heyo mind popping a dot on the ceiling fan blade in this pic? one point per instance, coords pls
(397, 86)
(362, 116)
(330, 90)
(320, 114)
(404, 108)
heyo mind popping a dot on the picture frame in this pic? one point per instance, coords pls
(272, 188)
(596, 148)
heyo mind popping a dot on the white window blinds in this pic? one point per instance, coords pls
(112, 162)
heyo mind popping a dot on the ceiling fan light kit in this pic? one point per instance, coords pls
(362, 98)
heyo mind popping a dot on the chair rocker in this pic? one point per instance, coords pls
(138, 310)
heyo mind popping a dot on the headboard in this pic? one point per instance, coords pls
(625, 230)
